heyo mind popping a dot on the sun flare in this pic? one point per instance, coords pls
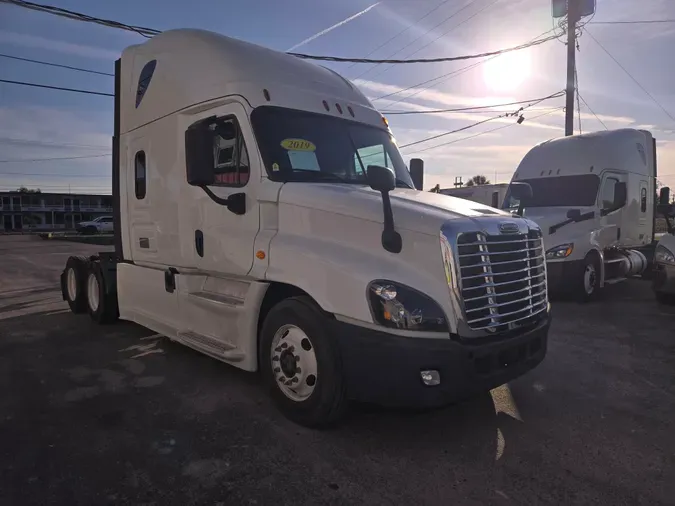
(507, 71)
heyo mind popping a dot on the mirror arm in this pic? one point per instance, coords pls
(235, 203)
(391, 239)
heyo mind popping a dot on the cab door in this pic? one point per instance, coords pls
(611, 233)
(217, 243)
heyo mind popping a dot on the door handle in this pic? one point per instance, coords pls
(199, 242)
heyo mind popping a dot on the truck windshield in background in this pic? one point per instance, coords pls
(560, 191)
(302, 146)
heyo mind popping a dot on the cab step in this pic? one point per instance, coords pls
(210, 346)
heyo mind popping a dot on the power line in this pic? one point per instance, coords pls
(403, 31)
(445, 77)
(592, 112)
(576, 89)
(467, 127)
(636, 22)
(35, 85)
(52, 159)
(35, 142)
(56, 65)
(146, 32)
(631, 76)
(51, 175)
(425, 60)
(57, 11)
(475, 108)
(480, 133)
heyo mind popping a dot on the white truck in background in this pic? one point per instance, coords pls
(663, 281)
(264, 216)
(593, 195)
(489, 194)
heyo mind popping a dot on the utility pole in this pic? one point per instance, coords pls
(573, 11)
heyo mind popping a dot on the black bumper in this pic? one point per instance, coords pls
(385, 369)
(564, 276)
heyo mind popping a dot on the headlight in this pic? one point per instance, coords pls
(400, 307)
(562, 251)
(664, 255)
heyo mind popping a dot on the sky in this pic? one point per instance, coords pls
(40, 123)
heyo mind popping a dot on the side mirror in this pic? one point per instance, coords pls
(380, 178)
(521, 191)
(620, 195)
(199, 162)
(574, 214)
(664, 196)
(417, 172)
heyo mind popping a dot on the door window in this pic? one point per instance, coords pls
(607, 195)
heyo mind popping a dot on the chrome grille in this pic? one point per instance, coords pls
(502, 279)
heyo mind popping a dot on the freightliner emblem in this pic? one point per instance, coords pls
(508, 228)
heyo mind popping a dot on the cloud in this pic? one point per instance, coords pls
(34, 41)
(331, 28)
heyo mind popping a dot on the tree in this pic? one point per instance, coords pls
(477, 180)
(23, 189)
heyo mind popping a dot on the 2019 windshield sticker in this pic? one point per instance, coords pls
(297, 145)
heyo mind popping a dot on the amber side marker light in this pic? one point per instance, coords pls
(260, 255)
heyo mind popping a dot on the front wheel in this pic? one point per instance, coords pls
(667, 299)
(588, 285)
(301, 364)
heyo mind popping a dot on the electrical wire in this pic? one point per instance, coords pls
(476, 108)
(340, 59)
(592, 111)
(147, 32)
(35, 85)
(32, 174)
(415, 39)
(631, 76)
(636, 22)
(52, 159)
(492, 2)
(58, 11)
(402, 31)
(56, 65)
(12, 140)
(576, 89)
(505, 115)
(443, 78)
(480, 133)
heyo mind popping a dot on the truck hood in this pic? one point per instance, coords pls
(413, 209)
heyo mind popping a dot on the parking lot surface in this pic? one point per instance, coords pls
(98, 415)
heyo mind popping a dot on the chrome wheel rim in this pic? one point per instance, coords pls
(92, 292)
(589, 279)
(71, 284)
(294, 363)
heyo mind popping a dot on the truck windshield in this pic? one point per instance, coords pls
(303, 146)
(562, 191)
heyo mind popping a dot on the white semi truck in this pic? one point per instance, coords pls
(594, 197)
(663, 281)
(489, 194)
(264, 216)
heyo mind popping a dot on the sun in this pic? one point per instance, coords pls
(507, 71)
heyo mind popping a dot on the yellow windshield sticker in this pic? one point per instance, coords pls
(297, 145)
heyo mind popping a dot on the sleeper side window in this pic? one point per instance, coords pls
(140, 175)
(232, 167)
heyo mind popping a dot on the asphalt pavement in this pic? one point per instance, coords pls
(96, 415)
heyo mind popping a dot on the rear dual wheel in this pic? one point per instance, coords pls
(84, 289)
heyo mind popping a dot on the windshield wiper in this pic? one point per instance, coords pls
(572, 218)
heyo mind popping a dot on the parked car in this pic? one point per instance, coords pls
(100, 225)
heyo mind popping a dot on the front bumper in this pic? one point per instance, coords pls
(385, 369)
(664, 278)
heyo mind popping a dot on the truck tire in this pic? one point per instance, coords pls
(102, 306)
(588, 284)
(667, 299)
(72, 287)
(301, 364)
